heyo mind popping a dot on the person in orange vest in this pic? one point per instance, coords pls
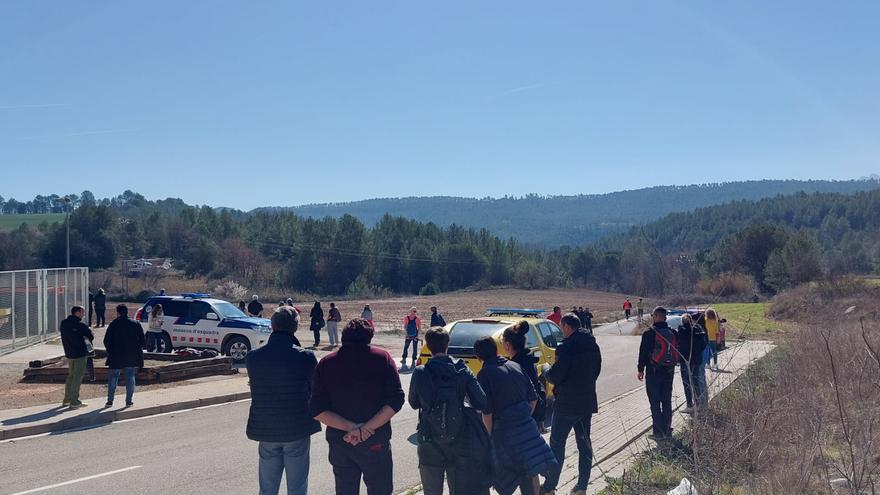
(412, 324)
(627, 308)
(556, 315)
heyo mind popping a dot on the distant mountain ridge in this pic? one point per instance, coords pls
(552, 221)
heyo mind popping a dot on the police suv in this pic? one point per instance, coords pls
(199, 321)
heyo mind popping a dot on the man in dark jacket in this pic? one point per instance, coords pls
(100, 308)
(124, 342)
(74, 334)
(255, 307)
(692, 341)
(458, 458)
(356, 392)
(91, 305)
(657, 373)
(574, 375)
(281, 382)
(437, 319)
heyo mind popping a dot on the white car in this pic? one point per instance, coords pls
(201, 322)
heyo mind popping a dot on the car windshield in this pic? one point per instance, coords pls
(466, 333)
(228, 310)
(674, 322)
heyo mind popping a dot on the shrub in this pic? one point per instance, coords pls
(727, 284)
(231, 290)
(430, 289)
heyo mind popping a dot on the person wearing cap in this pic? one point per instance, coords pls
(255, 307)
(280, 377)
(657, 373)
(412, 324)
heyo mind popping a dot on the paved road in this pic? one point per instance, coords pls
(205, 451)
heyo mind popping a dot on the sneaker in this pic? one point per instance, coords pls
(688, 410)
(65, 404)
(129, 404)
(79, 405)
(109, 403)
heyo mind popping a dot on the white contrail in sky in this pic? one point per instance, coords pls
(74, 134)
(522, 88)
(37, 105)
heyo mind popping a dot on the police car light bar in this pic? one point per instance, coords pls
(195, 295)
(515, 311)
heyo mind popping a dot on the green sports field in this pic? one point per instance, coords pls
(11, 222)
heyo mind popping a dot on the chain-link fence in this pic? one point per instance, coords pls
(33, 303)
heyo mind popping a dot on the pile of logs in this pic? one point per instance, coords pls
(54, 369)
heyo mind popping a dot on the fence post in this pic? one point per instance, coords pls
(27, 306)
(12, 307)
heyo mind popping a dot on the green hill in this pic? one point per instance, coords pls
(12, 222)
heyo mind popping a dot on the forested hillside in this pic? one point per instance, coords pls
(553, 221)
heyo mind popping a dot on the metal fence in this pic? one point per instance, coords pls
(33, 303)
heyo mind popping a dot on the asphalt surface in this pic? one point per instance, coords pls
(205, 451)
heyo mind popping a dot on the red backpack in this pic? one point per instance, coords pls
(665, 353)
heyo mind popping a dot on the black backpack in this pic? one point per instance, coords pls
(446, 414)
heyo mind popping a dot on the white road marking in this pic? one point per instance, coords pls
(78, 480)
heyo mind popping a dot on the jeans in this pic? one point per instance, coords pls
(713, 352)
(75, 368)
(331, 332)
(99, 316)
(658, 384)
(701, 384)
(317, 333)
(456, 462)
(113, 380)
(370, 460)
(562, 426)
(280, 457)
(415, 350)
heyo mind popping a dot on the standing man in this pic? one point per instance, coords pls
(437, 319)
(640, 309)
(356, 393)
(255, 307)
(316, 322)
(556, 315)
(449, 433)
(658, 357)
(74, 336)
(587, 320)
(124, 342)
(280, 379)
(412, 324)
(100, 308)
(91, 305)
(627, 308)
(333, 319)
(574, 375)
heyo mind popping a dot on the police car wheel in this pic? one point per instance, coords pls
(163, 343)
(237, 348)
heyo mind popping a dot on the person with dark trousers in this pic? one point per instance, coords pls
(412, 324)
(574, 374)
(627, 308)
(438, 391)
(91, 305)
(521, 454)
(587, 319)
(125, 343)
(658, 357)
(692, 342)
(280, 377)
(356, 391)
(316, 322)
(74, 335)
(100, 308)
(556, 315)
(255, 307)
(513, 340)
(437, 319)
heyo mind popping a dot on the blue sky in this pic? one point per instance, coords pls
(247, 104)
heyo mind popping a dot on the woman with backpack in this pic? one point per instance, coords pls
(317, 322)
(514, 341)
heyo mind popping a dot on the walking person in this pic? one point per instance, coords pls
(316, 321)
(627, 308)
(154, 329)
(574, 374)
(76, 338)
(411, 324)
(100, 308)
(333, 319)
(658, 357)
(452, 440)
(437, 319)
(513, 340)
(692, 343)
(367, 314)
(713, 327)
(124, 342)
(255, 307)
(521, 453)
(280, 377)
(355, 394)
(640, 309)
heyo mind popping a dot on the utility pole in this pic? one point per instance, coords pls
(67, 221)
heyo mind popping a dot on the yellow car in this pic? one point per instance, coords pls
(543, 337)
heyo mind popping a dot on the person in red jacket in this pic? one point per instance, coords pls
(627, 308)
(556, 315)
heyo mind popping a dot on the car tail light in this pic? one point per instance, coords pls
(137, 316)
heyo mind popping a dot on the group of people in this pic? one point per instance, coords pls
(124, 341)
(474, 432)
(663, 349)
(640, 309)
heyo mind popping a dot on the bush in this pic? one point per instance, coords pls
(430, 289)
(831, 298)
(361, 288)
(231, 290)
(726, 285)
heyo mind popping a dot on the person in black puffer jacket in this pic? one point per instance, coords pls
(280, 379)
(692, 341)
(74, 334)
(574, 375)
(514, 341)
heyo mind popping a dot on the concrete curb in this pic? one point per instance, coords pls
(103, 417)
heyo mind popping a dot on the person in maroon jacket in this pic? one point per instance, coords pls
(356, 392)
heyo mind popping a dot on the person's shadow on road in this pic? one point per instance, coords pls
(32, 418)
